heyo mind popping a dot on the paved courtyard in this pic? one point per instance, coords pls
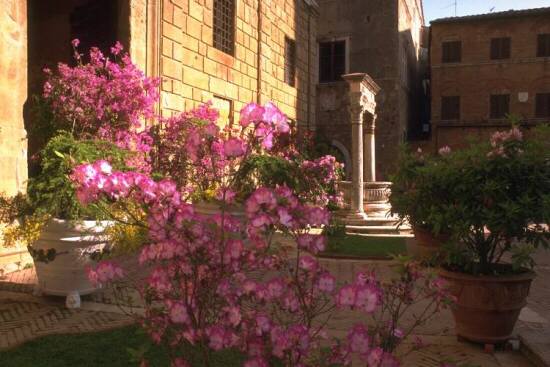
(24, 317)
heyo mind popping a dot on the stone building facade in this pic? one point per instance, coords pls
(485, 67)
(230, 52)
(383, 38)
(13, 94)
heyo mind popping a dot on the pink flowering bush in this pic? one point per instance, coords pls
(219, 281)
(108, 98)
(107, 95)
(208, 162)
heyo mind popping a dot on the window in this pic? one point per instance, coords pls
(542, 105)
(95, 24)
(451, 51)
(543, 45)
(225, 108)
(500, 48)
(450, 108)
(500, 106)
(224, 26)
(290, 61)
(332, 61)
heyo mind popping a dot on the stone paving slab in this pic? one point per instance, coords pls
(24, 317)
(31, 317)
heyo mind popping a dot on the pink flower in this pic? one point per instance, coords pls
(75, 42)
(117, 48)
(375, 357)
(273, 115)
(252, 112)
(284, 217)
(317, 216)
(234, 147)
(359, 340)
(446, 150)
(326, 282)
(275, 288)
(367, 298)
(216, 336)
(178, 314)
(233, 315)
(346, 296)
(307, 263)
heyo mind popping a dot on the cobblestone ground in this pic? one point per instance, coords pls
(24, 317)
(534, 325)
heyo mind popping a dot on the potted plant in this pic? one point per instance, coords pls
(419, 188)
(92, 112)
(71, 236)
(498, 209)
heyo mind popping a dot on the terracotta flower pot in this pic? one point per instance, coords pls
(426, 245)
(487, 307)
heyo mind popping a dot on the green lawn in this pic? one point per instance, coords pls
(109, 348)
(355, 246)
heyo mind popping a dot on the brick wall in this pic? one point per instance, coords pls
(13, 94)
(476, 77)
(195, 72)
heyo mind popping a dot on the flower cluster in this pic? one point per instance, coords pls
(506, 143)
(109, 98)
(322, 174)
(102, 93)
(104, 273)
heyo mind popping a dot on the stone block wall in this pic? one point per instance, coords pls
(194, 71)
(13, 94)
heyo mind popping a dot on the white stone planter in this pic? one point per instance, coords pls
(73, 242)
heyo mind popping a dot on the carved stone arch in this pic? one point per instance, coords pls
(346, 154)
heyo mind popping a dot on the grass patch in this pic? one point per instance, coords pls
(356, 246)
(108, 348)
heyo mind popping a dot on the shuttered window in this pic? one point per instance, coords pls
(542, 105)
(543, 45)
(500, 48)
(500, 106)
(451, 51)
(224, 26)
(450, 108)
(290, 61)
(332, 61)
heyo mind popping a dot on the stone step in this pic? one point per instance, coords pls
(375, 235)
(372, 221)
(376, 229)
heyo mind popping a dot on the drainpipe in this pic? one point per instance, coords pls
(308, 69)
(259, 56)
(313, 10)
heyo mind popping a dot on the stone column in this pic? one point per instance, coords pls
(369, 158)
(356, 111)
(13, 94)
